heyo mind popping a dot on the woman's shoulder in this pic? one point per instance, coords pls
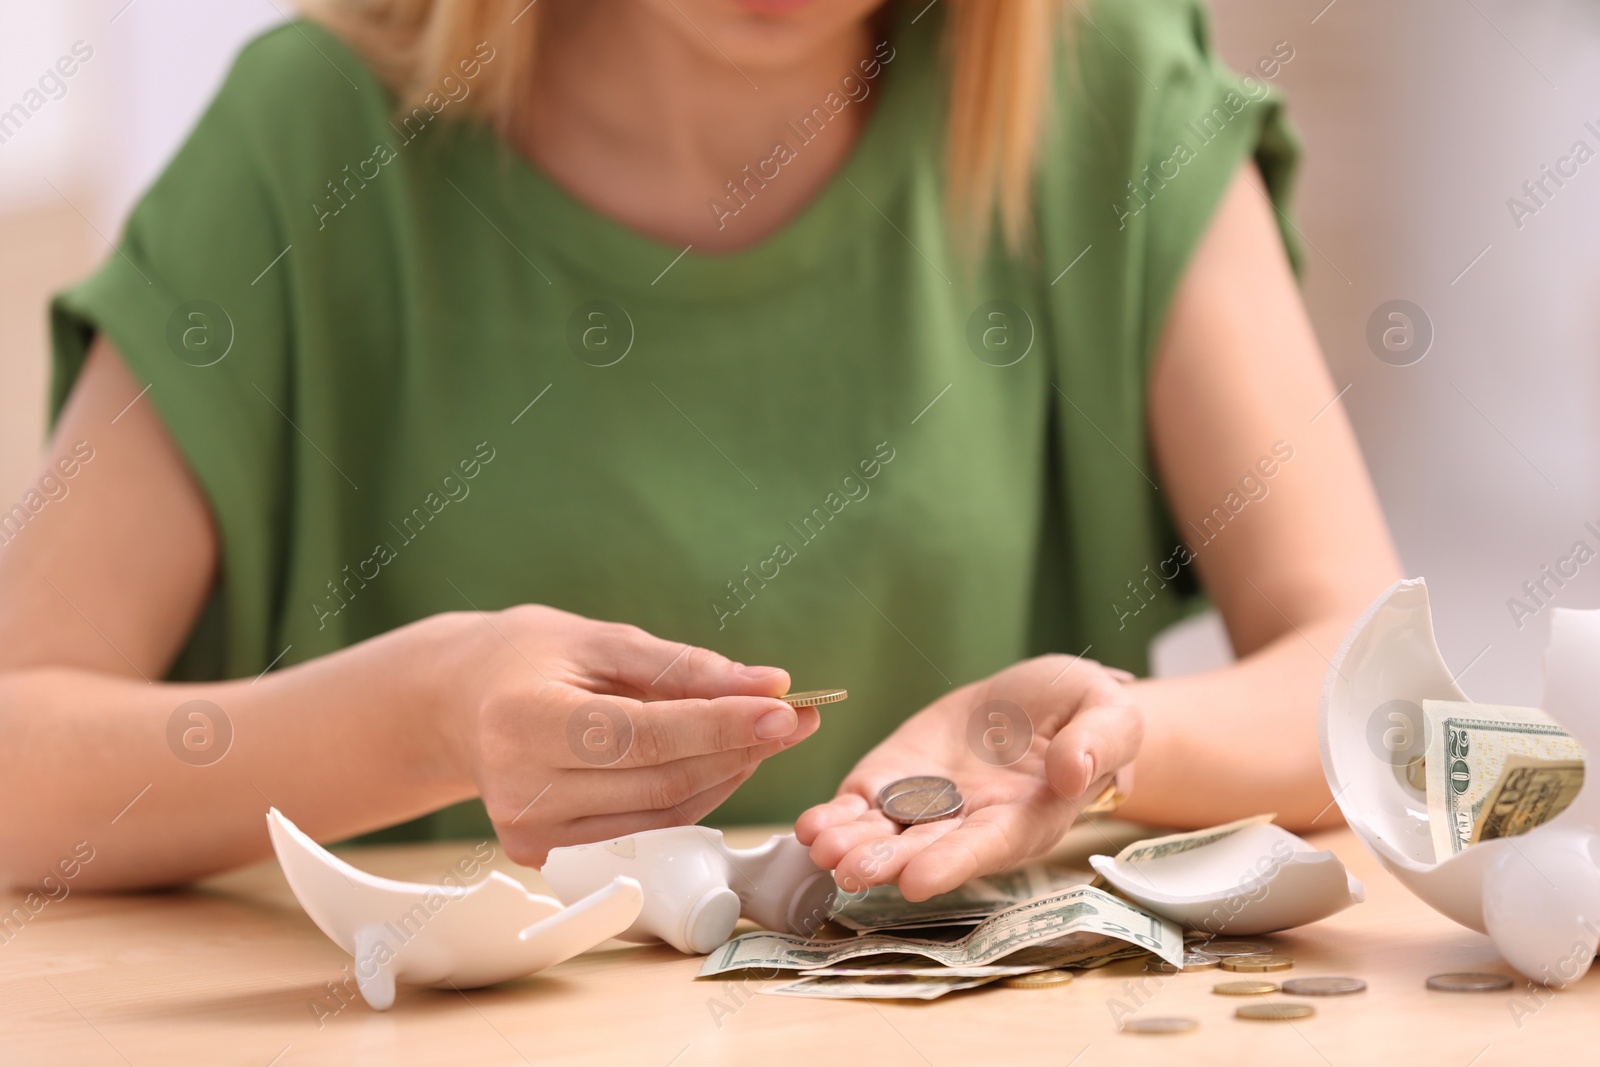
(1142, 49)
(297, 89)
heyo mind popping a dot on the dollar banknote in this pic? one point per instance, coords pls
(1469, 747)
(1155, 848)
(918, 966)
(1071, 919)
(883, 908)
(1528, 792)
(880, 987)
(1082, 953)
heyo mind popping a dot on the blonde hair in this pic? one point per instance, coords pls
(1000, 56)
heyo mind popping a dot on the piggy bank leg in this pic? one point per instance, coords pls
(374, 968)
(1541, 903)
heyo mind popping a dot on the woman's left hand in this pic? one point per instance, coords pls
(1023, 746)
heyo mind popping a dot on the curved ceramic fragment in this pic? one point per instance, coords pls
(1537, 895)
(1255, 880)
(696, 887)
(448, 935)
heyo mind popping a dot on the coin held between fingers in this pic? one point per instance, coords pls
(811, 698)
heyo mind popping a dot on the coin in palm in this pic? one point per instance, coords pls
(905, 785)
(926, 804)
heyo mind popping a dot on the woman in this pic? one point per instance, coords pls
(848, 336)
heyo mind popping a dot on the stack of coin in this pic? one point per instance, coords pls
(919, 799)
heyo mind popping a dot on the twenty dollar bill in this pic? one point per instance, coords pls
(1494, 771)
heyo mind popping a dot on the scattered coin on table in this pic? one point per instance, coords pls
(1275, 1011)
(1160, 1024)
(1192, 961)
(905, 785)
(1037, 980)
(810, 698)
(1469, 982)
(925, 804)
(1234, 948)
(1323, 987)
(1252, 964)
(1244, 988)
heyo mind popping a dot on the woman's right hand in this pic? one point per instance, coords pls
(575, 730)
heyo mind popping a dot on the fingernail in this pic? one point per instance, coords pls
(1088, 770)
(757, 672)
(779, 722)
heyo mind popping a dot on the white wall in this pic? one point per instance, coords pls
(154, 65)
(1420, 119)
(78, 162)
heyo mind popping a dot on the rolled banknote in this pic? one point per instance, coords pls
(1469, 747)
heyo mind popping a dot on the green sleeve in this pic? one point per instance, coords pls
(1151, 129)
(1205, 123)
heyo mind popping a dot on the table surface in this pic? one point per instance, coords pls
(233, 972)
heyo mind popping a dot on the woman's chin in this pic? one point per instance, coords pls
(773, 7)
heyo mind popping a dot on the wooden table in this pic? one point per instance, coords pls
(233, 972)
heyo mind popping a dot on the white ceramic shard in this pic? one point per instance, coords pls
(491, 931)
(1256, 880)
(696, 887)
(1536, 895)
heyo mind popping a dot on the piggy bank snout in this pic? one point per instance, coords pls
(1541, 906)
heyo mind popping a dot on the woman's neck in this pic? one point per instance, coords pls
(649, 124)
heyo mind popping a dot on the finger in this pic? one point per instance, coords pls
(611, 791)
(810, 723)
(629, 659)
(832, 844)
(840, 810)
(606, 827)
(1096, 741)
(618, 733)
(993, 839)
(880, 861)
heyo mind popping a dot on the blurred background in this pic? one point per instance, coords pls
(1422, 121)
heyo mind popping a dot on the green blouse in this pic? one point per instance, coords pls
(414, 375)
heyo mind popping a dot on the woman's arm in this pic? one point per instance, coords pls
(99, 590)
(1238, 371)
